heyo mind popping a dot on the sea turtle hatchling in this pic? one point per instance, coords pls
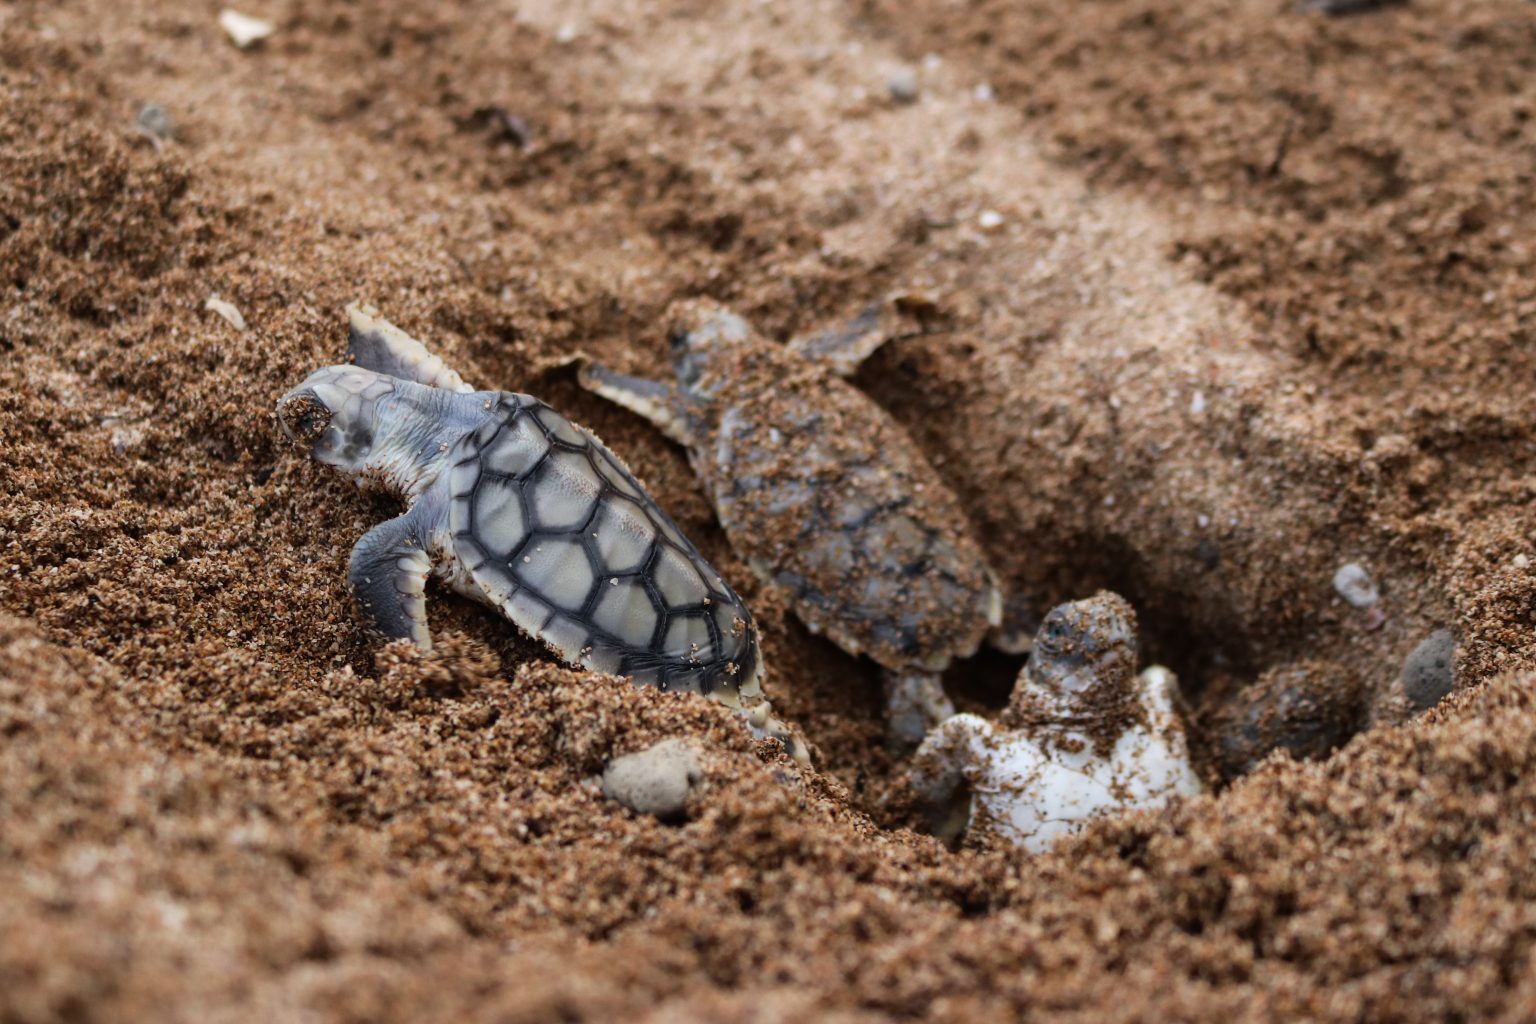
(825, 495)
(1083, 736)
(513, 505)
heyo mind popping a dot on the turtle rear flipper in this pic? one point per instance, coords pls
(388, 576)
(378, 345)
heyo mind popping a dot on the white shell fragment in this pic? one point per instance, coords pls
(1355, 585)
(243, 30)
(1091, 740)
(902, 85)
(226, 310)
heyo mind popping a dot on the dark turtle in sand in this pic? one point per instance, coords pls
(825, 495)
(513, 505)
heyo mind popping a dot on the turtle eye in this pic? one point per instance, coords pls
(304, 418)
(685, 359)
(1055, 634)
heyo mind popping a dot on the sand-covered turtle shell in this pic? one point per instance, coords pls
(555, 531)
(824, 494)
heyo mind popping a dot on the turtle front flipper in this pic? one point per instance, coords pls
(842, 348)
(662, 404)
(378, 345)
(937, 775)
(388, 576)
(915, 702)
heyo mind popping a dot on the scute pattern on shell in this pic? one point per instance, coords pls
(556, 532)
(823, 492)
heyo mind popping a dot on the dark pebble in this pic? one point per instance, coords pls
(1427, 675)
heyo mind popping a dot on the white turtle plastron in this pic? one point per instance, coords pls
(1031, 786)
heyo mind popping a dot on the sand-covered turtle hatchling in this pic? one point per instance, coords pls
(1083, 736)
(511, 504)
(825, 495)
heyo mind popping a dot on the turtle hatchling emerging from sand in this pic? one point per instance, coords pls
(513, 505)
(1083, 737)
(825, 495)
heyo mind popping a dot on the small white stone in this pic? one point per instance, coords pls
(1197, 403)
(225, 310)
(902, 85)
(566, 33)
(655, 781)
(1522, 562)
(1204, 520)
(984, 93)
(989, 220)
(243, 30)
(1355, 585)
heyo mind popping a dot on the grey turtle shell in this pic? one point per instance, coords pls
(825, 495)
(552, 528)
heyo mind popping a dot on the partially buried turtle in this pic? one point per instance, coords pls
(825, 495)
(1083, 736)
(513, 505)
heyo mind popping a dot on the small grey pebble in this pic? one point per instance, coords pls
(154, 121)
(902, 86)
(1355, 585)
(656, 780)
(1427, 673)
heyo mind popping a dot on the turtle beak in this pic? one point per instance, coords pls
(303, 415)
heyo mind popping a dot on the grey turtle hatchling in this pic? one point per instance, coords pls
(825, 495)
(513, 505)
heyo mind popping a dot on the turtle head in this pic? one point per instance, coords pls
(378, 430)
(706, 338)
(1085, 653)
(335, 414)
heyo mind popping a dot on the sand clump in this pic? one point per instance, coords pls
(1252, 303)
